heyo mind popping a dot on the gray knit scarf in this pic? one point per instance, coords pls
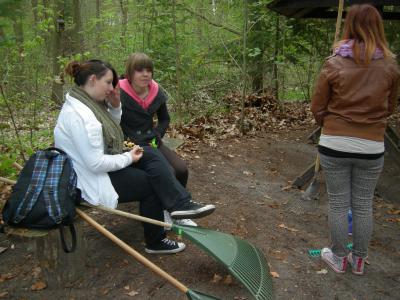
(112, 132)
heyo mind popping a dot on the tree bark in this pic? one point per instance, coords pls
(57, 50)
(177, 65)
(34, 4)
(98, 28)
(244, 67)
(78, 41)
(256, 39)
(338, 20)
(124, 21)
(19, 37)
(152, 20)
(276, 52)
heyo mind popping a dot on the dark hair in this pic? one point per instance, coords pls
(137, 62)
(80, 72)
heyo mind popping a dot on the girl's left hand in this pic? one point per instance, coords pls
(114, 97)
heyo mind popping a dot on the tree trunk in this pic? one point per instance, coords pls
(98, 28)
(77, 36)
(276, 52)
(57, 50)
(47, 36)
(244, 67)
(19, 37)
(256, 40)
(124, 21)
(153, 18)
(177, 65)
(34, 4)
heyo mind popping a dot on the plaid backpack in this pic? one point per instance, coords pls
(45, 195)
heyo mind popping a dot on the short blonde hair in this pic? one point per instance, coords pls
(136, 62)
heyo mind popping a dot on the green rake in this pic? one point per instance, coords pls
(243, 260)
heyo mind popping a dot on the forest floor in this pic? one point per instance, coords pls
(249, 179)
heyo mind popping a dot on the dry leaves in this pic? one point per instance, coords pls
(133, 293)
(263, 112)
(248, 173)
(394, 212)
(36, 272)
(7, 276)
(217, 278)
(228, 280)
(38, 286)
(3, 294)
(393, 220)
(274, 205)
(274, 274)
(287, 228)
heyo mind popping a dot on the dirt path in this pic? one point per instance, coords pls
(248, 179)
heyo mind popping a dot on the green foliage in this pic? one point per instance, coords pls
(208, 46)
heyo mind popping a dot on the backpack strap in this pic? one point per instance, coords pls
(35, 187)
(73, 238)
(50, 189)
(73, 179)
(54, 206)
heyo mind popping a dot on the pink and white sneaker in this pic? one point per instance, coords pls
(336, 263)
(357, 264)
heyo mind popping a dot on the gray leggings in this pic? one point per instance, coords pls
(350, 183)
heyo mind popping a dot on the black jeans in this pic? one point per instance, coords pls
(151, 182)
(178, 164)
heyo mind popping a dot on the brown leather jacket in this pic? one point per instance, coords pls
(354, 99)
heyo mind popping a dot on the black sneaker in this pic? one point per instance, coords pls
(165, 246)
(191, 210)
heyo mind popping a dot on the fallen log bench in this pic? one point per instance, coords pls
(172, 143)
(59, 269)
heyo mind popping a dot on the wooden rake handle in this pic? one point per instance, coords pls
(132, 216)
(133, 252)
(8, 181)
(317, 165)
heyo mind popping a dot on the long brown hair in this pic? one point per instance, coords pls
(364, 25)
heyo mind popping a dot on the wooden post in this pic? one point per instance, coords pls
(59, 269)
(338, 21)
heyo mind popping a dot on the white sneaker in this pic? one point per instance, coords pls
(186, 222)
(336, 263)
(169, 220)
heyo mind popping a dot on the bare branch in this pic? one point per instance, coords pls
(212, 22)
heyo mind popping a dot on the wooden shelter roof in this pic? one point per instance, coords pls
(324, 9)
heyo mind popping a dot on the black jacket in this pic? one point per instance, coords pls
(137, 123)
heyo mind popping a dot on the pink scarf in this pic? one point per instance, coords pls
(346, 50)
(145, 103)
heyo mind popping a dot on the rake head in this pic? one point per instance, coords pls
(243, 260)
(195, 295)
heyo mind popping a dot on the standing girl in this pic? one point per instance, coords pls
(355, 93)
